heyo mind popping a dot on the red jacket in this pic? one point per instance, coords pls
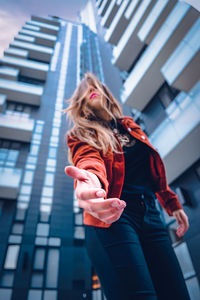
(110, 170)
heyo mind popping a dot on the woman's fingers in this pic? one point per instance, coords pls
(76, 173)
(182, 221)
(108, 216)
(99, 205)
(87, 194)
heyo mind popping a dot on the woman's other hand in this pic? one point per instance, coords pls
(182, 221)
(90, 196)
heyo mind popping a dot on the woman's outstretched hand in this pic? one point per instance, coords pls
(90, 196)
(182, 221)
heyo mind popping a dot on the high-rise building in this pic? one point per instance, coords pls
(147, 52)
(156, 47)
(42, 253)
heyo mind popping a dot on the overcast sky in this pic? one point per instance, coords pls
(14, 14)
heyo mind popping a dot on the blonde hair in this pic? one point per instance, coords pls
(87, 127)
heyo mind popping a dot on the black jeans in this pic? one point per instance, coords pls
(134, 258)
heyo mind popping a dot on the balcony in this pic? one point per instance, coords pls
(9, 73)
(146, 78)
(119, 24)
(44, 27)
(9, 182)
(28, 68)
(50, 21)
(31, 27)
(181, 70)
(99, 2)
(17, 53)
(110, 13)
(21, 92)
(2, 103)
(102, 9)
(16, 127)
(24, 38)
(177, 137)
(123, 54)
(34, 51)
(40, 38)
(155, 20)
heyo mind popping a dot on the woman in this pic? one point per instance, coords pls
(113, 160)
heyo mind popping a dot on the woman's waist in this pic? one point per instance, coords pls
(131, 191)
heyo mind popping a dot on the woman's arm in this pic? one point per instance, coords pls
(89, 171)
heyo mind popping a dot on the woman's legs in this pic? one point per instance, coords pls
(118, 259)
(161, 259)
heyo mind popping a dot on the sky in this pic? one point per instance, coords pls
(14, 14)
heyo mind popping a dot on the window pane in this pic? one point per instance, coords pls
(49, 179)
(28, 176)
(46, 191)
(52, 268)
(34, 294)
(39, 259)
(20, 214)
(41, 241)
(37, 280)
(11, 257)
(50, 295)
(5, 294)
(17, 228)
(52, 152)
(15, 239)
(7, 279)
(42, 229)
(79, 232)
(185, 261)
(54, 241)
(26, 189)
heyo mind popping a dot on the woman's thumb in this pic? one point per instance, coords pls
(75, 173)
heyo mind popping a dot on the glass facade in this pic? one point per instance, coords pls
(183, 116)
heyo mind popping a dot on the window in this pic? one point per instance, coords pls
(42, 229)
(37, 280)
(17, 228)
(49, 179)
(11, 257)
(7, 279)
(5, 294)
(39, 259)
(52, 268)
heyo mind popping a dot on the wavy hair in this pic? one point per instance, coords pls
(87, 126)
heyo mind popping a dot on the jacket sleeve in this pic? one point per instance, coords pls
(86, 157)
(169, 200)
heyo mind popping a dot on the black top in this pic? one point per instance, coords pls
(137, 163)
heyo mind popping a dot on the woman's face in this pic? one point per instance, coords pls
(93, 93)
(93, 100)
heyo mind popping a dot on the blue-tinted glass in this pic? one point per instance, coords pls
(52, 268)
(28, 176)
(50, 295)
(13, 155)
(38, 128)
(17, 228)
(34, 294)
(49, 179)
(34, 150)
(37, 280)
(7, 279)
(52, 152)
(5, 294)
(42, 229)
(39, 259)
(15, 239)
(11, 257)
